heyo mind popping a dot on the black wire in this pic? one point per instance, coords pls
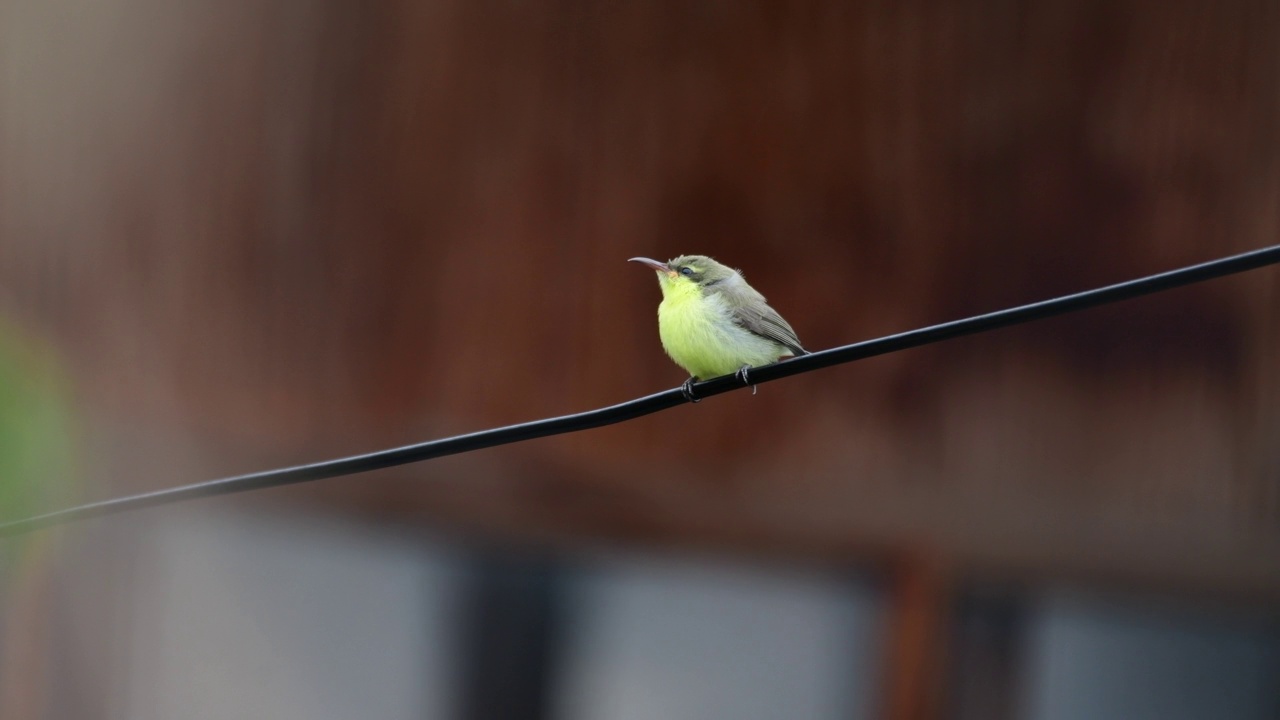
(659, 401)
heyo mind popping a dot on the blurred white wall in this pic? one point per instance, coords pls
(666, 640)
(248, 617)
(1135, 660)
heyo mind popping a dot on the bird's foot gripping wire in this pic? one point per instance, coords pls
(686, 389)
(744, 376)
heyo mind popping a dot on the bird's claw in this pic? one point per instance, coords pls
(686, 389)
(743, 374)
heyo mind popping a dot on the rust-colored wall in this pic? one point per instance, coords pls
(270, 232)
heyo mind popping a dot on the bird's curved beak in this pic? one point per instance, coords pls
(657, 266)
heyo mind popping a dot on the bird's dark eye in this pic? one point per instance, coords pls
(686, 271)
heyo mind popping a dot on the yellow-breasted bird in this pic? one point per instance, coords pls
(713, 323)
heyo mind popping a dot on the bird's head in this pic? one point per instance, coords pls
(687, 272)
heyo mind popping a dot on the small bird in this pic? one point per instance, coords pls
(713, 323)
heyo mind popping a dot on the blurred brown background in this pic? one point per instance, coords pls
(266, 233)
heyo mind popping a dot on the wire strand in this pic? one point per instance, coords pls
(659, 401)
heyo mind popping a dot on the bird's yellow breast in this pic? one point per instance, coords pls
(699, 333)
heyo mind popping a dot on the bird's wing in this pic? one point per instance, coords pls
(750, 311)
(764, 321)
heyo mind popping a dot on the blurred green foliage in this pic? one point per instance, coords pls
(37, 448)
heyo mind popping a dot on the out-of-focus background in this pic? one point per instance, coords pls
(236, 234)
